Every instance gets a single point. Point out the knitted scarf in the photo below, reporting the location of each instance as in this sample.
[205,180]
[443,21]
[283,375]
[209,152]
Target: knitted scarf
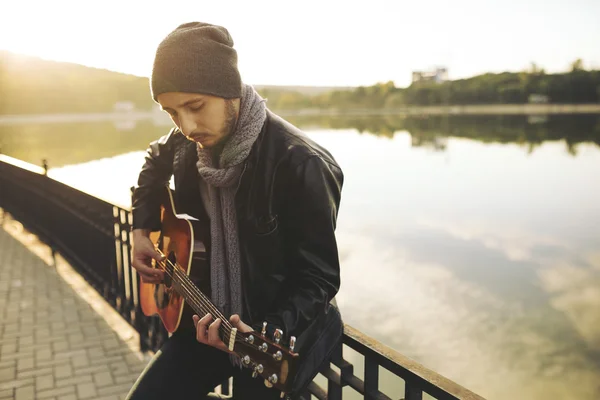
[221,182]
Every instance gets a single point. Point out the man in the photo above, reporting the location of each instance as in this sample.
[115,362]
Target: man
[268,196]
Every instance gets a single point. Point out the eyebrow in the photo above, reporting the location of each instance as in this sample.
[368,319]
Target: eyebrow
[186,103]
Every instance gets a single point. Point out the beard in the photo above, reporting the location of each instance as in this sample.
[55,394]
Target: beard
[230,122]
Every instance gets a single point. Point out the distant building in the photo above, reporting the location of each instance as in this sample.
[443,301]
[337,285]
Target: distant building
[437,75]
[124,106]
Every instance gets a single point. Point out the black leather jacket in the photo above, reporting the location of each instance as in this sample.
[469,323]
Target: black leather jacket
[287,206]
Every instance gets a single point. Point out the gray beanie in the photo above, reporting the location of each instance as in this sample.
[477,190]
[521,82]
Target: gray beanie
[196,58]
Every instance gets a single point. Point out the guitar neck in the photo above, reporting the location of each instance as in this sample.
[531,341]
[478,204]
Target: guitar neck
[198,301]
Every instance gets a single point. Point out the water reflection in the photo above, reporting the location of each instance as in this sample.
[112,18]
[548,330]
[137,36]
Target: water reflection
[433,131]
[502,344]
[469,241]
[72,143]
[477,256]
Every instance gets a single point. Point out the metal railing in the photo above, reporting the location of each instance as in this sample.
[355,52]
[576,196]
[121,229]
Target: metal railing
[94,237]
[90,233]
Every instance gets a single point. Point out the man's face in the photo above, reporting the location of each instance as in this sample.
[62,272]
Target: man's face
[202,118]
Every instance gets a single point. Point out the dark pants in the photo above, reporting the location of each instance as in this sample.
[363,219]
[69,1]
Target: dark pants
[186,369]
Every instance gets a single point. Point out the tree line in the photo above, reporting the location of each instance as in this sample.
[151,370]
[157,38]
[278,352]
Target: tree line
[578,86]
[29,85]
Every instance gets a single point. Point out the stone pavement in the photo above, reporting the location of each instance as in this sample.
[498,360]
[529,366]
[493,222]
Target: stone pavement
[58,338]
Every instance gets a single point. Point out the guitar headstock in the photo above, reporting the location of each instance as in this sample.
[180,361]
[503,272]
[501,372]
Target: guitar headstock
[267,358]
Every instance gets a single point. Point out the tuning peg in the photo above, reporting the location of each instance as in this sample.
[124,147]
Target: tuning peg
[277,335]
[263,347]
[257,370]
[292,343]
[278,356]
[246,360]
[250,339]
[264,329]
[273,379]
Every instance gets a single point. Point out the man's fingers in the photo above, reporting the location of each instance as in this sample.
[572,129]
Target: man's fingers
[213,333]
[148,274]
[241,326]
[205,321]
[200,332]
[150,279]
[142,267]
[157,256]
[201,327]
[150,252]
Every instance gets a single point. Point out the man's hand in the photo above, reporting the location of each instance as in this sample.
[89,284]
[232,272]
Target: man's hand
[143,253]
[208,333]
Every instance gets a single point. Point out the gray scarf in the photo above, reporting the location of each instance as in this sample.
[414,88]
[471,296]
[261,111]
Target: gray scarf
[221,185]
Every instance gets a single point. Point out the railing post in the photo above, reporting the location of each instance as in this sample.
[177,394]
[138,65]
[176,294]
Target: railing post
[225,387]
[142,326]
[412,392]
[334,390]
[371,377]
[305,395]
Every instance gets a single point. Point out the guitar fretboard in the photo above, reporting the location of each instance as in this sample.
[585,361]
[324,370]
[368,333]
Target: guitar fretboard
[201,304]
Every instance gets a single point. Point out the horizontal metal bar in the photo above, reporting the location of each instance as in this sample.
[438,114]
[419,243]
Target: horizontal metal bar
[331,375]
[345,367]
[317,391]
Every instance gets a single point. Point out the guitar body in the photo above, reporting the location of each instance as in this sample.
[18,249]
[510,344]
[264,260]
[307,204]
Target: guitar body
[178,242]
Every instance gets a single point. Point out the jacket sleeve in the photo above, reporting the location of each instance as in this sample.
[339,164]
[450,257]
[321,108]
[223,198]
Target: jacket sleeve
[308,223]
[156,172]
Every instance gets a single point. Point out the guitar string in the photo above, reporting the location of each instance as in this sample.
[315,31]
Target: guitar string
[194,299]
[197,295]
[193,291]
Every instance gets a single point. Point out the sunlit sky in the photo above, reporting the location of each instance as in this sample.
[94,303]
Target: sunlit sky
[320,43]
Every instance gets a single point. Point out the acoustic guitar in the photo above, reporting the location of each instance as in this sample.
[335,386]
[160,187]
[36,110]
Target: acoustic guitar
[179,241]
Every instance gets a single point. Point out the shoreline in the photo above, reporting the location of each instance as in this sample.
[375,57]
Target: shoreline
[160,118]
[480,109]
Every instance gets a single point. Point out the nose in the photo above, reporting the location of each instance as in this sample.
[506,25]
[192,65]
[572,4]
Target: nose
[187,125]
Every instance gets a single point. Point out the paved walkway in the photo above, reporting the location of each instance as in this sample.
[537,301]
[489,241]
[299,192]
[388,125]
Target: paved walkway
[54,343]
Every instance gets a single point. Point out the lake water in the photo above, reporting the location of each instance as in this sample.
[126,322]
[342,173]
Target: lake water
[470,244]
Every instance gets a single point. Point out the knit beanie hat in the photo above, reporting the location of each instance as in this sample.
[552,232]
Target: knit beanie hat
[196,58]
